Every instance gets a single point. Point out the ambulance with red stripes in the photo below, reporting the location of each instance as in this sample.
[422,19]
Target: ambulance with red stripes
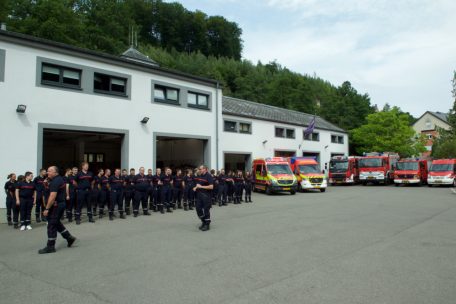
[273,174]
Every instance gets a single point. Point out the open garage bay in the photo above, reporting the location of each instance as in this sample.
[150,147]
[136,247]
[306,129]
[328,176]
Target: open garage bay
[348,245]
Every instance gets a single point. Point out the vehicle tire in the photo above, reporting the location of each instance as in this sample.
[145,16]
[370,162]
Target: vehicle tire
[292,192]
[268,190]
[429,185]
[397,185]
[364,184]
[322,190]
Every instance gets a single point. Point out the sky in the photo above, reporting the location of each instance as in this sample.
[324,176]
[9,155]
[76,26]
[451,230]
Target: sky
[400,52]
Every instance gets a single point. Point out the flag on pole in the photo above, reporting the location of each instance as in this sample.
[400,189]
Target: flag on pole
[310,127]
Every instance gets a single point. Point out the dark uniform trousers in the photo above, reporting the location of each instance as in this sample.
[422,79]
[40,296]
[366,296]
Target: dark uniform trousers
[238,188]
[166,196]
[140,197]
[203,206]
[10,206]
[54,224]
[116,199]
[177,197]
[230,192]
[150,196]
[157,197]
[71,204]
[128,196]
[83,197]
[95,197]
[26,205]
[39,204]
[221,193]
[189,197]
[248,192]
[103,201]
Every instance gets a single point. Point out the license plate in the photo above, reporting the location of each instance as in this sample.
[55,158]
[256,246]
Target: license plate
[438,181]
[286,189]
[371,177]
[405,182]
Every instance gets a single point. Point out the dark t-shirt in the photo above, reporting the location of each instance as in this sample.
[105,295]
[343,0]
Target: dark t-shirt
[58,185]
[116,183]
[26,190]
[166,180]
[141,182]
[84,180]
[10,188]
[204,180]
[39,183]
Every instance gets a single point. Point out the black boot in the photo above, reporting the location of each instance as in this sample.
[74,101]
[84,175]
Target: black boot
[78,221]
[146,212]
[135,214]
[91,220]
[190,207]
[10,223]
[168,209]
[70,240]
[16,226]
[250,199]
[185,207]
[174,207]
[38,218]
[162,210]
[122,216]
[111,218]
[205,227]
[154,208]
[127,211]
[46,249]
[179,206]
[201,226]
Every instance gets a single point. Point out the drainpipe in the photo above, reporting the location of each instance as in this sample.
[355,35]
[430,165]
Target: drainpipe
[217,127]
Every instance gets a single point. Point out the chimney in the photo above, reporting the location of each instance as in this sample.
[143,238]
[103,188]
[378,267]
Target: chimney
[3,26]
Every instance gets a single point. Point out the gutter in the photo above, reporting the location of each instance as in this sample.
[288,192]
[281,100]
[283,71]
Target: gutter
[217,126]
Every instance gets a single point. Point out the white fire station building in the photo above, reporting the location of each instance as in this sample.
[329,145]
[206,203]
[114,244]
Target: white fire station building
[62,105]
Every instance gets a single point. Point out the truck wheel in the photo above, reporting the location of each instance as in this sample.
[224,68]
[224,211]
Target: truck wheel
[292,192]
[268,190]
[397,185]
[322,190]
[364,184]
[429,185]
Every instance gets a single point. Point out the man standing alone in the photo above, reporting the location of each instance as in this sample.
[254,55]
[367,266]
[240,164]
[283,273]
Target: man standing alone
[204,186]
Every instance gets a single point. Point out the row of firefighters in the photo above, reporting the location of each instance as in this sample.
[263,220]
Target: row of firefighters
[159,192]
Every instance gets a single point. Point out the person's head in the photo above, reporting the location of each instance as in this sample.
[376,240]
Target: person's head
[179,172]
[100,172]
[189,172]
[107,172]
[124,172]
[247,173]
[67,172]
[75,170]
[222,172]
[20,178]
[158,171]
[149,171]
[52,172]
[132,171]
[117,172]
[168,171]
[12,176]
[28,176]
[85,166]
[42,172]
[141,170]
[202,169]
[239,173]
[212,171]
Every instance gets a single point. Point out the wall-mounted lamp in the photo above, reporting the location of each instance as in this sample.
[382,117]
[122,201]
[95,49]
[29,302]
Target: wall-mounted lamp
[145,120]
[265,141]
[21,109]
[326,147]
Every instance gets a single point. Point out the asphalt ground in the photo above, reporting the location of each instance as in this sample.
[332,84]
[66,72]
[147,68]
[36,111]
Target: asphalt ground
[355,244]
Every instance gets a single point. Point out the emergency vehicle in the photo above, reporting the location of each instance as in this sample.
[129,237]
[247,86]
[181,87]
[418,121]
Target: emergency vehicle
[442,172]
[411,171]
[343,170]
[377,167]
[308,173]
[273,175]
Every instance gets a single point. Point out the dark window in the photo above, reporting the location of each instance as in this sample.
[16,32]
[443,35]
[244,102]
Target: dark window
[290,133]
[312,137]
[244,127]
[60,76]
[279,132]
[335,139]
[166,94]
[197,100]
[109,84]
[230,126]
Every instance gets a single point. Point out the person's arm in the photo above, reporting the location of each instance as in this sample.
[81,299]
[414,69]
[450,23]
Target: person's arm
[50,202]
[34,198]
[67,191]
[17,197]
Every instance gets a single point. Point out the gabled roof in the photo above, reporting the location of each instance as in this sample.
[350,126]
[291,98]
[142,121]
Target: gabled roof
[135,55]
[439,115]
[250,109]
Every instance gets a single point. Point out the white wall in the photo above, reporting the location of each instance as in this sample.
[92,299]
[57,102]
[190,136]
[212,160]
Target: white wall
[429,122]
[19,133]
[265,130]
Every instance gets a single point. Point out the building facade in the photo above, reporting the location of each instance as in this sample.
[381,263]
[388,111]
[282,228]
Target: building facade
[64,105]
[429,124]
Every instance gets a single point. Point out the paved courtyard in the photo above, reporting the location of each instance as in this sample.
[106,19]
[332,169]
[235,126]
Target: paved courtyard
[348,245]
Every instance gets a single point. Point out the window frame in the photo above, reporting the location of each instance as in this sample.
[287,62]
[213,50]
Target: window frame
[245,123]
[110,91]
[225,121]
[198,105]
[165,93]
[60,83]
[339,139]
[293,134]
[283,132]
[311,136]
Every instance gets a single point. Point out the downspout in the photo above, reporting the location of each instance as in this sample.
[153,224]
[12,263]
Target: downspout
[217,127]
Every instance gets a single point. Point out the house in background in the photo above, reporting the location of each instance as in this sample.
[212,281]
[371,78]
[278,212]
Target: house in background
[428,124]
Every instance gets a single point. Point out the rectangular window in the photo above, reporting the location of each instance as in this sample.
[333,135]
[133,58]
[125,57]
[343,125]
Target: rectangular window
[279,132]
[244,127]
[166,94]
[197,100]
[312,137]
[108,84]
[336,139]
[290,133]
[60,76]
[230,126]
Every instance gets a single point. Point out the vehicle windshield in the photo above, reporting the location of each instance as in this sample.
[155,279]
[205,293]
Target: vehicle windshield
[338,166]
[407,166]
[441,167]
[306,169]
[279,169]
[370,162]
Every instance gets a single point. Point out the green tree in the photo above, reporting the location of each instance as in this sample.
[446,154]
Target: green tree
[388,131]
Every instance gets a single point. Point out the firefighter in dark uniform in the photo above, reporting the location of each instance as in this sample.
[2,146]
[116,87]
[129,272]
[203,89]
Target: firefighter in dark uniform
[157,186]
[178,189]
[166,191]
[39,185]
[204,184]
[10,191]
[96,194]
[141,186]
[104,193]
[248,187]
[46,194]
[189,194]
[116,183]
[84,182]
[215,190]
[26,198]
[222,188]
[54,210]
[238,187]
[71,192]
[230,186]
[129,192]
[150,190]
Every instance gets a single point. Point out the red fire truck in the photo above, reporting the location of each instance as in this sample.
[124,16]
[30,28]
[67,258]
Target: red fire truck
[442,172]
[343,170]
[411,171]
[377,167]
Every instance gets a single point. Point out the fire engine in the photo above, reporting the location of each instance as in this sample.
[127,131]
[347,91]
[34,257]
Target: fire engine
[411,171]
[343,170]
[377,167]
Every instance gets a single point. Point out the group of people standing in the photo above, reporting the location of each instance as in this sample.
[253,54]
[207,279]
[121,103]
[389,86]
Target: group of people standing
[126,192]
